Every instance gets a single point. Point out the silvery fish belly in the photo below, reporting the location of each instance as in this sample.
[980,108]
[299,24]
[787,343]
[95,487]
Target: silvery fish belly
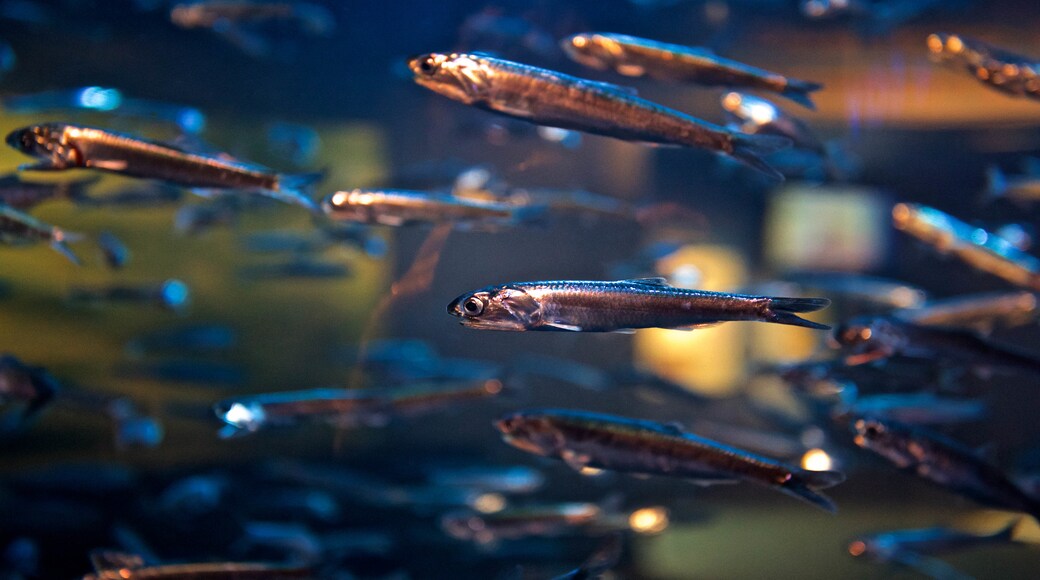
[623,305]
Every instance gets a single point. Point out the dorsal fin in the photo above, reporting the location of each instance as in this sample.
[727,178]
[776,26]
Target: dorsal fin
[612,88]
[655,281]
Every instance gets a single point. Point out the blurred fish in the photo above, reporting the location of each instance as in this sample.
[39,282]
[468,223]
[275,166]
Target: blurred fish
[296,268]
[593,306]
[287,241]
[1019,235]
[24,195]
[344,407]
[548,520]
[402,208]
[30,386]
[978,248]
[116,253]
[171,294]
[191,371]
[868,339]
[131,428]
[914,409]
[292,505]
[149,194]
[489,29]
[200,217]
[583,439]
[1017,188]
[636,57]
[104,100]
[288,543]
[599,562]
[509,479]
[109,564]
[189,339]
[60,147]
[311,18]
[553,99]
[942,461]
[589,206]
[886,546]
[297,143]
[978,312]
[860,288]
[995,67]
[576,373]
[880,16]
[17,228]
[759,116]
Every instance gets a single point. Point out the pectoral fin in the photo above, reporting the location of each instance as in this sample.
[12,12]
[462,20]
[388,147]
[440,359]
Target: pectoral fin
[562,326]
[109,164]
[41,165]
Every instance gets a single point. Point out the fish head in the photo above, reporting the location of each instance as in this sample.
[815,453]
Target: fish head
[750,109]
[866,340]
[247,415]
[596,51]
[531,432]
[462,77]
[48,142]
[497,308]
[354,206]
[885,439]
[873,547]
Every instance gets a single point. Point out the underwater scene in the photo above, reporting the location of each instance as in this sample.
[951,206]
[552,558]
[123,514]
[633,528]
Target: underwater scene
[629,289]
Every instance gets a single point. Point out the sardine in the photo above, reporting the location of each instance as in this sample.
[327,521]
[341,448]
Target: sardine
[61,147]
[884,546]
[312,18]
[509,479]
[593,306]
[942,461]
[194,338]
[995,67]
[401,208]
[980,249]
[30,386]
[296,268]
[170,294]
[978,312]
[17,228]
[545,97]
[24,195]
[583,439]
[517,523]
[915,409]
[108,564]
[636,57]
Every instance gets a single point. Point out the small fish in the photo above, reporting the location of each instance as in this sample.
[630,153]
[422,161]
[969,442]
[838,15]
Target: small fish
[759,116]
[192,339]
[18,228]
[402,208]
[108,564]
[599,562]
[884,546]
[915,409]
[171,294]
[868,339]
[345,407]
[979,312]
[942,461]
[545,521]
[1017,188]
[995,67]
[61,147]
[25,195]
[149,194]
[7,57]
[314,19]
[511,479]
[583,439]
[27,385]
[554,99]
[978,248]
[114,251]
[131,428]
[860,288]
[190,371]
[297,143]
[593,306]
[297,268]
[201,217]
[636,57]
[104,100]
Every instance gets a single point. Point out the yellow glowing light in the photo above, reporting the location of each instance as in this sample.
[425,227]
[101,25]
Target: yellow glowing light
[590,471]
[579,41]
[731,102]
[340,197]
[651,520]
[954,44]
[935,44]
[490,503]
[817,460]
[857,548]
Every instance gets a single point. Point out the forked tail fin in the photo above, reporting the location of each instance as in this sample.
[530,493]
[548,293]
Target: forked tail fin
[805,485]
[296,188]
[798,91]
[749,150]
[782,311]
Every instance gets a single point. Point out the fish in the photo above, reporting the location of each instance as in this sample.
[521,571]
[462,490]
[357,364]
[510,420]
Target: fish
[553,99]
[914,408]
[585,439]
[131,428]
[859,288]
[193,338]
[171,294]
[18,228]
[606,556]
[868,339]
[114,251]
[992,66]
[111,564]
[942,461]
[296,268]
[105,100]
[1017,188]
[536,520]
[884,546]
[148,194]
[619,306]
[314,19]
[978,248]
[31,386]
[979,312]
[198,218]
[636,57]
[60,147]
[402,208]
[345,407]
[759,116]
[510,479]
[24,195]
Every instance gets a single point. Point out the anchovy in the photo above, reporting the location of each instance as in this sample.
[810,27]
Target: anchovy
[979,312]
[546,97]
[61,147]
[636,57]
[24,195]
[400,208]
[22,383]
[995,67]
[510,479]
[884,546]
[860,288]
[345,407]
[942,461]
[17,228]
[583,439]
[978,248]
[531,521]
[297,267]
[108,564]
[312,18]
[170,294]
[592,306]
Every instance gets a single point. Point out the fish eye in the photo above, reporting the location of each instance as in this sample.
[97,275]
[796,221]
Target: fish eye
[428,66]
[473,306]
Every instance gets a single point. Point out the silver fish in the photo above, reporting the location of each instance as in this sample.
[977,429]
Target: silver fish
[995,67]
[979,312]
[400,208]
[594,306]
[25,195]
[636,57]
[885,546]
[60,147]
[109,564]
[17,228]
[546,97]
[583,439]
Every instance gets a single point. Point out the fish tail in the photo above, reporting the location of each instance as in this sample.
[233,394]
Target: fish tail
[295,188]
[782,311]
[805,485]
[749,150]
[996,182]
[798,91]
[60,242]
[76,191]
